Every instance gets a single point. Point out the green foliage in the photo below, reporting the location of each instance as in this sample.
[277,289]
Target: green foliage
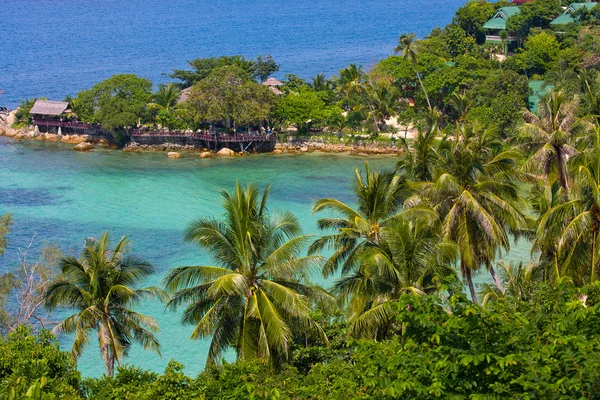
[540,53]
[22,116]
[304,109]
[534,14]
[115,103]
[101,288]
[472,16]
[229,96]
[5,224]
[32,366]
[260,69]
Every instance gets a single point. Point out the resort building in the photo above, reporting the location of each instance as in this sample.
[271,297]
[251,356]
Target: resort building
[495,26]
[567,18]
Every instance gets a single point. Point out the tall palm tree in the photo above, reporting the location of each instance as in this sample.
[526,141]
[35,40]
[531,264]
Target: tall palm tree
[408,47]
[461,103]
[579,222]
[100,286]
[384,102]
[257,294]
[379,196]
[351,82]
[411,257]
[550,135]
[476,195]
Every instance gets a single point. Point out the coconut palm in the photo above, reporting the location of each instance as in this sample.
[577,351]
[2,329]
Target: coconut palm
[384,103]
[379,196]
[408,47]
[460,103]
[100,286]
[550,135]
[520,282]
[350,83]
[411,257]
[320,83]
[165,103]
[257,293]
[578,220]
[420,156]
[476,195]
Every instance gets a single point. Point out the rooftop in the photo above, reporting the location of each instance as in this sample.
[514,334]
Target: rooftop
[499,20]
[272,82]
[566,17]
[48,107]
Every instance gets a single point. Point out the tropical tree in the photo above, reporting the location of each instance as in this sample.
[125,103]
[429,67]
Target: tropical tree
[100,286]
[379,196]
[320,83]
[164,102]
[475,193]
[351,84]
[258,293]
[578,220]
[550,135]
[408,47]
[411,257]
[418,162]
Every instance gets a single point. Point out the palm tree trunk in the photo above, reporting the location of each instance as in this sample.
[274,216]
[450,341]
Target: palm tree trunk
[423,87]
[593,271]
[470,283]
[563,176]
[496,278]
[109,360]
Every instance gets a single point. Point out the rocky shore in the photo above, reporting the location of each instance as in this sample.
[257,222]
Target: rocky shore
[86,143]
[310,146]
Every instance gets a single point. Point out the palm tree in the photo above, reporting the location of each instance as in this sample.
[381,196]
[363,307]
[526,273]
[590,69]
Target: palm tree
[410,258]
[550,135]
[100,286]
[320,83]
[420,156]
[579,222]
[461,103]
[408,47]
[166,99]
[520,282]
[351,83]
[384,101]
[256,295]
[476,195]
[379,197]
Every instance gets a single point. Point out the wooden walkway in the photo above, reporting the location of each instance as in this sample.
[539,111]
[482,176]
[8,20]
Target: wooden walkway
[212,140]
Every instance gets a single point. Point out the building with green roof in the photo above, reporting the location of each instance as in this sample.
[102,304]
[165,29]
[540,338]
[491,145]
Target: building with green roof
[498,24]
[567,18]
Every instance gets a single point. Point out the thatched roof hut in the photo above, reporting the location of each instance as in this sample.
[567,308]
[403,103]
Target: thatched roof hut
[48,107]
[272,82]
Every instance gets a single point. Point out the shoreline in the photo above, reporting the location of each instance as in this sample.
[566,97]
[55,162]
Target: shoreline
[173,150]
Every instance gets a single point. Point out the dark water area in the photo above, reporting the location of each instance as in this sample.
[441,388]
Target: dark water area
[55,48]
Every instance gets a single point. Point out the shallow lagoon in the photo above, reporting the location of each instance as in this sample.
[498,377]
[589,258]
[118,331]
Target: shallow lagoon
[63,196]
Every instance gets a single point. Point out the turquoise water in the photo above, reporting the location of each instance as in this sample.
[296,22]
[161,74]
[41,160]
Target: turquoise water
[64,196]
[54,48]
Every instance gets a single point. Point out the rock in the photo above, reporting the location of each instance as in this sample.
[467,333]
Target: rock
[304,149]
[85,146]
[73,139]
[205,154]
[174,154]
[51,137]
[226,152]
[277,151]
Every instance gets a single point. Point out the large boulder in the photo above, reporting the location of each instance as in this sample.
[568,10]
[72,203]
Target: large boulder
[174,154]
[226,152]
[277,151]
[304,149]
[206,154]
[85,146]
[74,139]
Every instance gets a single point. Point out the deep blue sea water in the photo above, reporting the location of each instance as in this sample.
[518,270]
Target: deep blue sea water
[54,48]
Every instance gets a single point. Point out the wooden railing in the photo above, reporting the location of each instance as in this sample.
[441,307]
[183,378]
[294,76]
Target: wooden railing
[205,136]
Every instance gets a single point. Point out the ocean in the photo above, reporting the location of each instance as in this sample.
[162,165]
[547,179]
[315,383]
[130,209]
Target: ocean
[55,48]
